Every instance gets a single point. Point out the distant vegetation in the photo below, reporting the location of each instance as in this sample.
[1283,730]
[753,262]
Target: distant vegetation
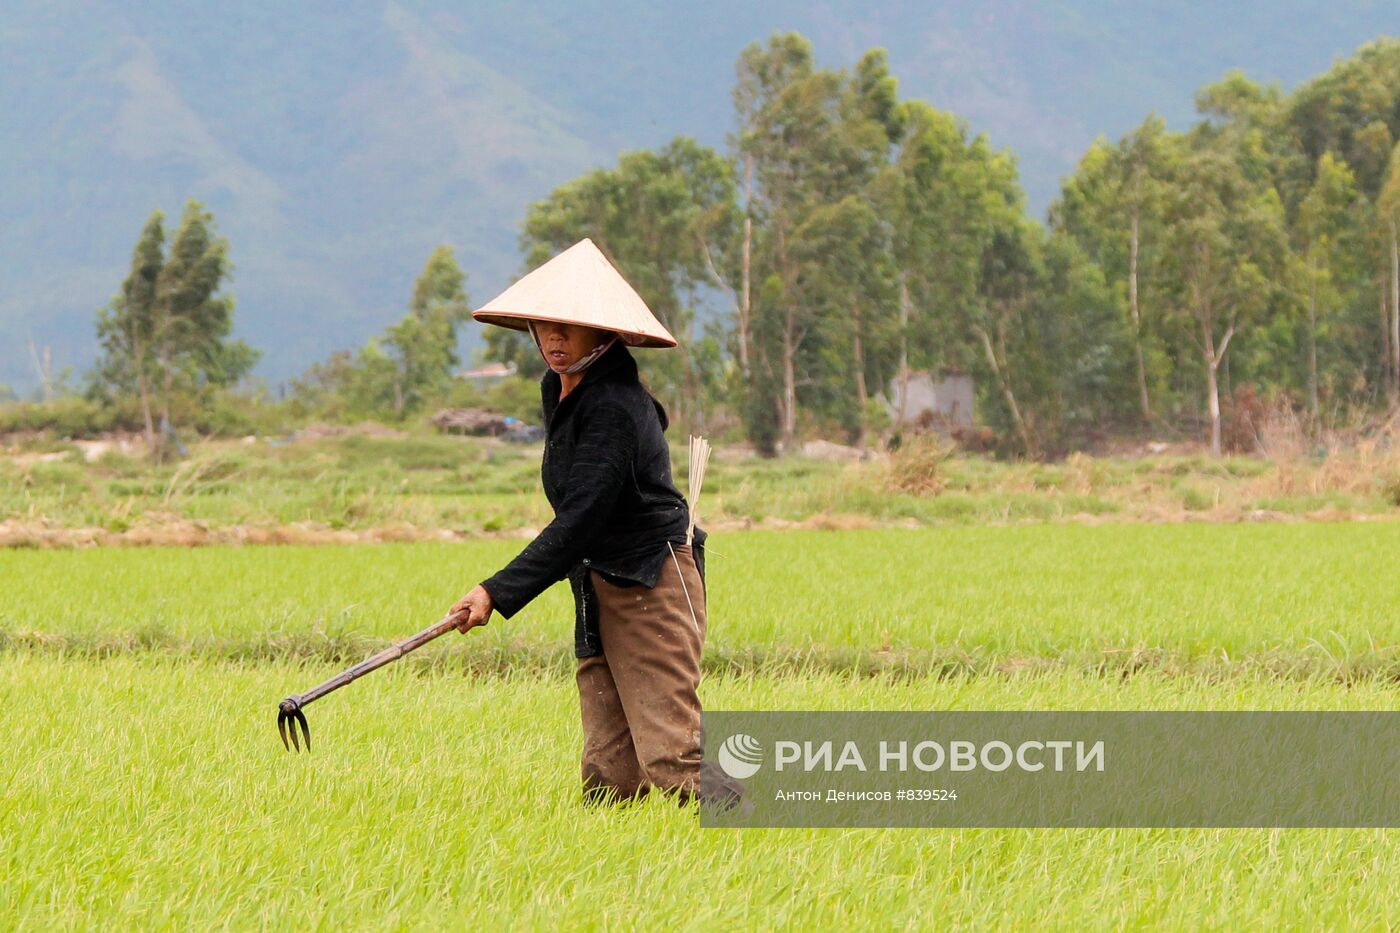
[368,483]
[1186,285]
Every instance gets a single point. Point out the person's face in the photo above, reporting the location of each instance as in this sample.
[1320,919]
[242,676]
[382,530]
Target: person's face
[565,344]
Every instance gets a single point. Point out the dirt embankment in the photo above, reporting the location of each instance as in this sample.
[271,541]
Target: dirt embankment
[180,532]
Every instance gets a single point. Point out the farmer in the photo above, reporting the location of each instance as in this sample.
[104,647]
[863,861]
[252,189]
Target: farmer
[618,534]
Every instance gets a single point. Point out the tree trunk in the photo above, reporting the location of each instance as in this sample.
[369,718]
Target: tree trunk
[143,387]
[1212,361]
[1395,314]
[43,366]
[1227,387]
[861,395]
[745,273]
[778,407]
[1003,377]
[904,307]
[143,384]
[1312,349]
[1387,377]
[1143,400]
[789,403]
[789,424]
[167,380]
[1213,404]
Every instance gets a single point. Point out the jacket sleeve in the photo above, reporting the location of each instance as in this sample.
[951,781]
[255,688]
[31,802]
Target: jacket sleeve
[602,462]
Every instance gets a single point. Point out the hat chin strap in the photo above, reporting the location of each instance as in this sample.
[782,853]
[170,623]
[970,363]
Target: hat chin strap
[584,361]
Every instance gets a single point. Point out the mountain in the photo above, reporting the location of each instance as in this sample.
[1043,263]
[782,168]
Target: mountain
[338,142]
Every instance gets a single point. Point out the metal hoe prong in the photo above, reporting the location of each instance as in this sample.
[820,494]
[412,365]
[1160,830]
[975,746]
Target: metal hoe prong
[289,711]
[288,715]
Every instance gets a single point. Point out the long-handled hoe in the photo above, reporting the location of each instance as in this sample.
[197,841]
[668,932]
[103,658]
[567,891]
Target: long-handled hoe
[289,711]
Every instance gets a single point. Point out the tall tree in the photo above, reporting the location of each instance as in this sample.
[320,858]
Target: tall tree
[1325,230]
[395,374]
[1353,111]
[424,344]
[935,194]
[192,320]
[1224,248]
[812,138]
[126,328]
[1010,276]
[765,76]
[848,276]
[1074,357]
[792,126]
[1112,205]
[1388,214]
[846,263]
[167,332]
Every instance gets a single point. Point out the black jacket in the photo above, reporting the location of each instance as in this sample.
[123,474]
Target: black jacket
[607,473]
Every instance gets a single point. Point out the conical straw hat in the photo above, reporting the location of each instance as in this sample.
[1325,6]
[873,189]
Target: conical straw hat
[579,286]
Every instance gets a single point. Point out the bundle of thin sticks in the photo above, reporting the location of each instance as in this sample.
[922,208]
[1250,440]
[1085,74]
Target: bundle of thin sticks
[699,456]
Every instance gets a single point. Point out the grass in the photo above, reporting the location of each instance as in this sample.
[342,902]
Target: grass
[153,793]
[350,481]
[144,786]
[351,486]
[1320,591]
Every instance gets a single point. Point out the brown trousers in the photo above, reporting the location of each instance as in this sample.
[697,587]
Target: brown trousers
[641,713]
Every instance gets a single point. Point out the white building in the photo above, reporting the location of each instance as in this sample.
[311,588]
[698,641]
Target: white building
[943,404]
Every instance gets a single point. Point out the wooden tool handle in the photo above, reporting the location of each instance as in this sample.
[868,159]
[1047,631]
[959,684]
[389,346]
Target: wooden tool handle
[392,653]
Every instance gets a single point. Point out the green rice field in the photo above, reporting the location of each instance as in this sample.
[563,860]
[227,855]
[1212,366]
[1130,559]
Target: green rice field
[144,786]
[1320,591]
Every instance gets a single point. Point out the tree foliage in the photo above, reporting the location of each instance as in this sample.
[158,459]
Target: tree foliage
[165,336]
[850,238]
[401,373]
[667,220]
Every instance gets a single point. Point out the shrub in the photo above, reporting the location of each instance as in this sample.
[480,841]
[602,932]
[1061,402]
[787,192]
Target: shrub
[1194,499]
[234,414]
[65,417]
[918,466]
[1390,487]
[516,396]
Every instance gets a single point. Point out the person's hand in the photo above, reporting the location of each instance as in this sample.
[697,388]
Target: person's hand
[476,609]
